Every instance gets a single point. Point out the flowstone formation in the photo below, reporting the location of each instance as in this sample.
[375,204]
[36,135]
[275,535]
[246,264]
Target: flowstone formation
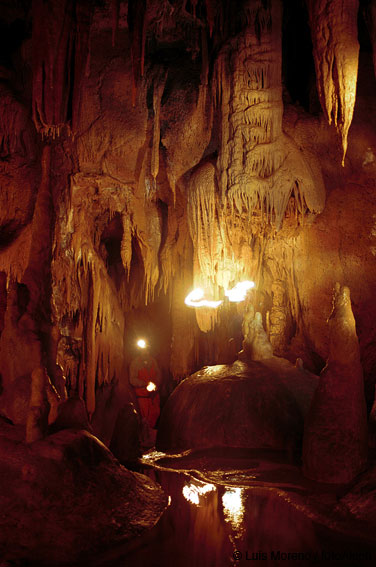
[259,169]
[335,435]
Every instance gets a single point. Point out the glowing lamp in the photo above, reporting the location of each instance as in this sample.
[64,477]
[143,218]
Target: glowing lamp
[196,299]
[238,293]
[151,387]
[141,343]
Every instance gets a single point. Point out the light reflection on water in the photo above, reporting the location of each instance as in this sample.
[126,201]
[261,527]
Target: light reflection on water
[233,508]
[206,524]
[193,491]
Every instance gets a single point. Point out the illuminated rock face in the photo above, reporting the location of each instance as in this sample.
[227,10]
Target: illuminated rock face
[336,49]
[175,178]
[259,168]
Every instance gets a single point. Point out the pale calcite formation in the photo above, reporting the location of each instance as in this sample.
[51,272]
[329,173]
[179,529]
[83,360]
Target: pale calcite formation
[256,345]
[259,168]
[197,176]
[277,324]
[334,33]
[85,292]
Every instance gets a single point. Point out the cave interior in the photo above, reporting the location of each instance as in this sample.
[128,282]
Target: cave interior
[150,148]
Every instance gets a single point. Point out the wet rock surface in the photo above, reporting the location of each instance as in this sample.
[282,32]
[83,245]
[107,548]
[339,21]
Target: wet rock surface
[237,505]
[258,404]
[65,498]
[347,508]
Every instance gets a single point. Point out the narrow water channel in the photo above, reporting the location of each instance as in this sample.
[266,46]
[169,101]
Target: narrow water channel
[219,524]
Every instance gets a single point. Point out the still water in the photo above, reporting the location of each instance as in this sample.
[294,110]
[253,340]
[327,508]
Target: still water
[211,524]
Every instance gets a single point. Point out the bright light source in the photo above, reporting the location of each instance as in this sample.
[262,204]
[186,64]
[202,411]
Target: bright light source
[238,293]
[141,343]
[151,387]
[233,507]
[192,492]
[195,299]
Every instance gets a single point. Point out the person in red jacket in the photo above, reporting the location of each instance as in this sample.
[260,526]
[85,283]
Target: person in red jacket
[145,377]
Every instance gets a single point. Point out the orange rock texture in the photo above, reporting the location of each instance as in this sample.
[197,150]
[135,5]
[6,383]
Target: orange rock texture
[147,147]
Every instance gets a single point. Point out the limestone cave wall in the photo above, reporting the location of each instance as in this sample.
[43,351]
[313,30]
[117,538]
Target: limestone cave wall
[147,147]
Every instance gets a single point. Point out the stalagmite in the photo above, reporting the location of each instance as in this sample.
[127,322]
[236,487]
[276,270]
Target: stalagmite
[334,33]
[256,345]
[277,331]
[335,434]
[44,401]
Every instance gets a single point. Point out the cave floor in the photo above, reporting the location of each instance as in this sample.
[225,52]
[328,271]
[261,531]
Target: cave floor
[227,506]
[231,506]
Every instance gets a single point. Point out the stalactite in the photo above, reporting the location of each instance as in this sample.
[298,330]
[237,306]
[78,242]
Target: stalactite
[201,209]
[60,36]
[158,88]
[205,58]
[52,54]
[85,294]
[334,33]
[221,242]
[260,170]
[115,20]
[137,32]
[148,232]
[16,132]
[126,243]
[211,6]
[83,16]
[84,291]
[36,275]
[259,167]
[14,260]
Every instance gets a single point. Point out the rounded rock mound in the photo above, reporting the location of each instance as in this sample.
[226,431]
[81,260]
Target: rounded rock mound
[254,404]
